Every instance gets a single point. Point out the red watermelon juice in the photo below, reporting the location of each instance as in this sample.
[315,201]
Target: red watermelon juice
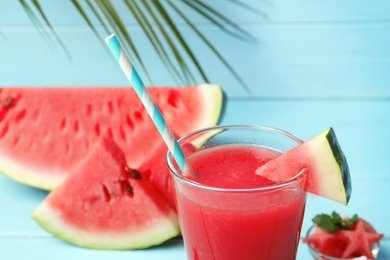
[227,211]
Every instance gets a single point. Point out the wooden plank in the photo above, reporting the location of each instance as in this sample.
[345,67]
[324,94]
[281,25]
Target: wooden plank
[361,125]
[306,49]
[281,11]
[320,61]
[45,247]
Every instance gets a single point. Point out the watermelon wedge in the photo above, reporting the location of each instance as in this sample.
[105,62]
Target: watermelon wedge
[46,132]
[327,171]
[104,204]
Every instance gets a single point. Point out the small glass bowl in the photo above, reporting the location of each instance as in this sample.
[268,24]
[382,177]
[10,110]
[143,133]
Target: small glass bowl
[319,256]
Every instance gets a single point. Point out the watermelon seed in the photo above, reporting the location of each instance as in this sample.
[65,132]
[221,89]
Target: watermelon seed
[110,107]
[8,102]
[130,190]
[129,122]
[106,194]
[109,132]
[173,98]
[89,109]
[138,116]
[63,124]
[76,126]
[134,173]
[125,186]
[20,115]
[97,129]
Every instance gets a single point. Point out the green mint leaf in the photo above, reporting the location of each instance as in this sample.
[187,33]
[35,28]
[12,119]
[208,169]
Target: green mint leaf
[352,221]
[325,222]
[334,222]
[336,217]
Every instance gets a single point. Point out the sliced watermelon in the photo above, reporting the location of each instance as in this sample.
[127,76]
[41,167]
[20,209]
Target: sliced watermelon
[325,242]
[156,172]
[360,240]
[104,204]
[327,171]
[45,132]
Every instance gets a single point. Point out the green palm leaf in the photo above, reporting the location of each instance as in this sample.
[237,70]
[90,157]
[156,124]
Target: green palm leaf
[219,20]
[147,27]
[119,28]
[36,22]
[179,58]
[179,38]
[213,49]
[158,26]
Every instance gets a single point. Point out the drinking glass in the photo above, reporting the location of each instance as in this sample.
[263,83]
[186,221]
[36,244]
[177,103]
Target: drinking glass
[238,223]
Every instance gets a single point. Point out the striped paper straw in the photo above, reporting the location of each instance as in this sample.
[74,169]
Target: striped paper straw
[147,100]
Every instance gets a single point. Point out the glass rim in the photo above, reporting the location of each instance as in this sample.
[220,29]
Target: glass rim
[177,173]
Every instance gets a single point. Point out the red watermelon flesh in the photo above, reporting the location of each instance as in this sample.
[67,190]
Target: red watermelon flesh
[346,243]
[319,238]
[154,171]
[104,204]
[45,132]
[160,176]
[322,162]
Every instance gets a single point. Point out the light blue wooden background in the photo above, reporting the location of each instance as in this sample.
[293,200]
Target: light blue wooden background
[317,64]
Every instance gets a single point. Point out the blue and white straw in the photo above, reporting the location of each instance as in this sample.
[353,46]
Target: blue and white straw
[147,100]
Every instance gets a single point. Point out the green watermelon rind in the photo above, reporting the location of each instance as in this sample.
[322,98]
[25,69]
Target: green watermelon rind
[157,233]
[341,160]
[213,101]
[325,167]
[32,176]
[330,167]
[24,175]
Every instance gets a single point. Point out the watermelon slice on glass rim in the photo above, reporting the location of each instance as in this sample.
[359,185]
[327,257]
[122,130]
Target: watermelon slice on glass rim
[46,132]
[326,168]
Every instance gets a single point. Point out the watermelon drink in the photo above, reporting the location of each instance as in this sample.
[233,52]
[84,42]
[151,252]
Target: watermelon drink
[225,210]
